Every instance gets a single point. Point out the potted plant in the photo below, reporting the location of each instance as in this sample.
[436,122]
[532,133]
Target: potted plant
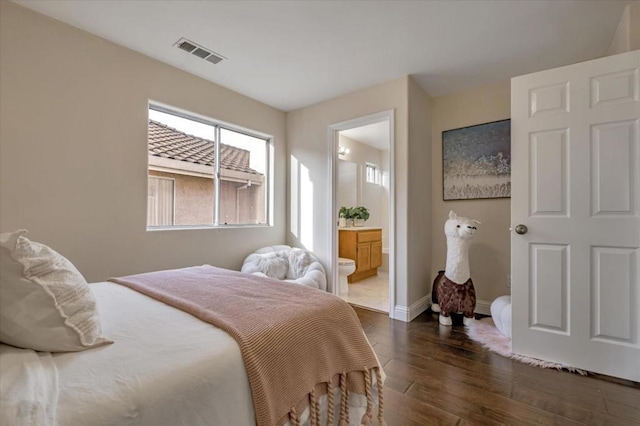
[359,215]
[343,216]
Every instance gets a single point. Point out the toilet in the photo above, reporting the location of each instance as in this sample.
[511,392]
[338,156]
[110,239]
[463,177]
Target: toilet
[346,267]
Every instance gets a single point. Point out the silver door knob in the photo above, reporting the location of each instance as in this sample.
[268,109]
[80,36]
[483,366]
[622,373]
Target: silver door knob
[521,229]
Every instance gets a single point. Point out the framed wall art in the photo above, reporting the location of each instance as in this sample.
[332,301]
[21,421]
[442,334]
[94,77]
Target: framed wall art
[476,161]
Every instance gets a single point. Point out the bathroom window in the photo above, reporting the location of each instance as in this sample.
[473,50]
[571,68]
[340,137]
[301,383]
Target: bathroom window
[372,175]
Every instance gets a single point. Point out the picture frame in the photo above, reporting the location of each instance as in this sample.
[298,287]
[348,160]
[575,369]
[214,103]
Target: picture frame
[476,161]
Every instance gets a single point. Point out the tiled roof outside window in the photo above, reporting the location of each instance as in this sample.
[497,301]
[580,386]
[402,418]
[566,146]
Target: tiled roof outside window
[167,142]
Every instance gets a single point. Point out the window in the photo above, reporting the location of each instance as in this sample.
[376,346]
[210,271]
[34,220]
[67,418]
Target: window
[372,175]
[160,207]
[195,181]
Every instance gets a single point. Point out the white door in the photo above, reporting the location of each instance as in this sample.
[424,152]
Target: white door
[576,187]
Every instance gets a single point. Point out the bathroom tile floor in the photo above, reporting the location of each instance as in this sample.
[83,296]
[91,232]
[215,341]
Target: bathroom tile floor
[370,293]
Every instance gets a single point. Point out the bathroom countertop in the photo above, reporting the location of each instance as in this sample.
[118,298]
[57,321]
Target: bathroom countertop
[361,228]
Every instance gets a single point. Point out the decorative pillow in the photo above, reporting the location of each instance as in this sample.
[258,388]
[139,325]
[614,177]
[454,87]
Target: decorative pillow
[273,266]
[270,264]
[45,303]
[299,261]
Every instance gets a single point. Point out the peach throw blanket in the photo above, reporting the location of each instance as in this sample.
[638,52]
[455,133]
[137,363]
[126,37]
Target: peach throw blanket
[297,343]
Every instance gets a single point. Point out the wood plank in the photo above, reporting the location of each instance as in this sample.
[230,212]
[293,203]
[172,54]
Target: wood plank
[551,401]
[579,407]
[561,421]
[437,375]
[448,376]
[468,403]
[401,407]
[625,411]
[397,383]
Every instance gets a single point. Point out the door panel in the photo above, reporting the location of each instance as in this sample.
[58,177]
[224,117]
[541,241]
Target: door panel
[614,319]
[550,99]
[549,166]
[363,262]
[549,285]
[376,254]
[576,185]
[613,167]
[616,87]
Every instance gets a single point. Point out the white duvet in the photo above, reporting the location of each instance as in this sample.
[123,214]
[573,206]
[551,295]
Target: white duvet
[28,387]
[165,367]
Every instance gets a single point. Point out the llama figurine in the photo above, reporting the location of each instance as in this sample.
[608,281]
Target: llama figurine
[453,290]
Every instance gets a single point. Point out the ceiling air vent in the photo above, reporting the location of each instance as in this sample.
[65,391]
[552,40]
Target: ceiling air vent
[199,51]
[185,45]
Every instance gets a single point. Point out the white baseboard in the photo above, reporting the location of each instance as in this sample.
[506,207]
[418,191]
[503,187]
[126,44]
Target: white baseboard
[400,313]
[483,307]
[407,314]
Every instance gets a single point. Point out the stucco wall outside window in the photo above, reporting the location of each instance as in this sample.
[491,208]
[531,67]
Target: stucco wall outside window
[194,201]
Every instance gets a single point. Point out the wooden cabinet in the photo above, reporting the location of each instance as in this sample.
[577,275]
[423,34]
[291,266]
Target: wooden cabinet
[376,254]
[363,257]
[365,247]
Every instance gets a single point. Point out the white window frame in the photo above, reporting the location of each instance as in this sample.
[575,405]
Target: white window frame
[375,171]
[218,124]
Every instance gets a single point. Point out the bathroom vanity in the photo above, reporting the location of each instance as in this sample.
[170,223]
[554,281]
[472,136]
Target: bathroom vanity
[364,245]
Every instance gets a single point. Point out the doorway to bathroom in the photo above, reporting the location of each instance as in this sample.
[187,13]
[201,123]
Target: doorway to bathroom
[363,205]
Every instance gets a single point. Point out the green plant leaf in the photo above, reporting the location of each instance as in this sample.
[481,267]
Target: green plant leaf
[359,212]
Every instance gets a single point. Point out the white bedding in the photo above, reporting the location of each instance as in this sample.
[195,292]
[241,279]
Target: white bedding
[28,388]
[165,367]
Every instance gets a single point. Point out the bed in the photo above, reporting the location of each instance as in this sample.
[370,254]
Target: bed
[164,366]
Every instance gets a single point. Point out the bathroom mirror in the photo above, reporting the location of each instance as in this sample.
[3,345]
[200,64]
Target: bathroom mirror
[347,184]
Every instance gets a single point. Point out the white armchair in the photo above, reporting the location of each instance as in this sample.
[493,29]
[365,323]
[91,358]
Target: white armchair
[286,263]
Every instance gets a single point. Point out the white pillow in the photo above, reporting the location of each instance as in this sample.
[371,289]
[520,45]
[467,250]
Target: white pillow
[273,266]
[45,303]
[299,261]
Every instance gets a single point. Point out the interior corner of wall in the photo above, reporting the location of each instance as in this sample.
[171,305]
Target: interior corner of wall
[634,24]
[627,27]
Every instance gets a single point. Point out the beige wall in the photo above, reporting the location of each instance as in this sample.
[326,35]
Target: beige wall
[419,207]
[634,25]
[73,149]
[309,191]
[627,36]
[490,252]
[309,222]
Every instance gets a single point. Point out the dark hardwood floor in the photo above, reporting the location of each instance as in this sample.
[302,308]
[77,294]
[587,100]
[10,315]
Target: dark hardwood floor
[437,376]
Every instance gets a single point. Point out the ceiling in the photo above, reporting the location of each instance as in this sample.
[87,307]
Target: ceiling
[290,54]
[375,135]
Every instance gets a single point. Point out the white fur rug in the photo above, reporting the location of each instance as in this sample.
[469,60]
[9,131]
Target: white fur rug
[485,332]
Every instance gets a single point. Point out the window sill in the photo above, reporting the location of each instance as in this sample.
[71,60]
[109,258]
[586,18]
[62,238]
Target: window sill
[205,227]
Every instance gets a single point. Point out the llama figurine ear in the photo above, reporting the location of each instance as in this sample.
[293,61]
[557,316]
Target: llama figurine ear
[477,221]
[452,215]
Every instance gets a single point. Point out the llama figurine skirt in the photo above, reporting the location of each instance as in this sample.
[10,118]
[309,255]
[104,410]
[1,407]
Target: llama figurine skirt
[452,297]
